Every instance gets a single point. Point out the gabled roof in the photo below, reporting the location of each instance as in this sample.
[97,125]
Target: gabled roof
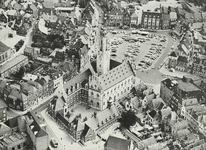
[2,85]
[166,112]
[182,59]
[116,11]
[190,102]
[116,75]
[3,47]
[135,14]
[152,113]
[181,125]
[2,105]
[36,126]
[101,117]
[77,79]
[116,143]
[147,142]
[84,50]
[173,54]
[62,119]
[87,130]
[12,122]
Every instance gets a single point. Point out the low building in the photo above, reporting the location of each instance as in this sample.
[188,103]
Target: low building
[36,130]
[116,143]
[10,67]
[5,52]
[144,144]
[179,125]
[16,141]
[4,130]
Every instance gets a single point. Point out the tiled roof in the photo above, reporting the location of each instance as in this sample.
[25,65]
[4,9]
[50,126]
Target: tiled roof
[3,47]
[116,12]
[77,79]
[84,50]
[182,59]
[48,4]
[101,117]
[67,66]
[150,97]
[187,86]
[59,104]
[2,85]
[12,122]
[63,120]
[135,14]
[182,133]
[4,128]
[152,113]
[166,112]
[86,130]
[116,143]
[41,81]
[116,75]
[2,105]
[181,125]
[15,94]
[147,142]
[36,126]
[173,54]
[190,102]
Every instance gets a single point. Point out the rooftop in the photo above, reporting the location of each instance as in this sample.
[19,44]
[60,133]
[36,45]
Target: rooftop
[77,79]
[3,47]
[147,142]
[115,76]
[185,86]
[101,117]
[117,143]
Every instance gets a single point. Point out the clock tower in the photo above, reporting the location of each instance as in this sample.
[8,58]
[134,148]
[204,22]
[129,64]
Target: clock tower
[103,56]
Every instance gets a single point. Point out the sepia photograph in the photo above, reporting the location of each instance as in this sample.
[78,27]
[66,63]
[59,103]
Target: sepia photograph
[102,74]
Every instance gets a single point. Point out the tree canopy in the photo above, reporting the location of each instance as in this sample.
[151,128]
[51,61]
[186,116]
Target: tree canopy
[128,119]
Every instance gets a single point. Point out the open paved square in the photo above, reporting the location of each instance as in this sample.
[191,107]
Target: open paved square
[142,50]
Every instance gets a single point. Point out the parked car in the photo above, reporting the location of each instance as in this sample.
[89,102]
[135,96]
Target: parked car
[54,142]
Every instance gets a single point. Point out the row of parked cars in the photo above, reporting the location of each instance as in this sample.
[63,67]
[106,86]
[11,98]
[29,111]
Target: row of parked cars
[151,55]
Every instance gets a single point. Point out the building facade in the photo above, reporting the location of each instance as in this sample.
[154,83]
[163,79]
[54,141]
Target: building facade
[36,130]
[151,20]
[10,67]
[3,112]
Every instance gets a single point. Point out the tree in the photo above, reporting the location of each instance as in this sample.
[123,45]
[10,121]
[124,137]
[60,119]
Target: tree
[128,119]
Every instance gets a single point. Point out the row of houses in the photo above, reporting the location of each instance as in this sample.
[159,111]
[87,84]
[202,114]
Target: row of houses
[24,132]
[186,98]
[157,19]
[29,91]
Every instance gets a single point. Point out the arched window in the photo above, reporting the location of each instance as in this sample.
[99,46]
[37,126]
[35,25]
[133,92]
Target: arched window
[97,95]
[97,104]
